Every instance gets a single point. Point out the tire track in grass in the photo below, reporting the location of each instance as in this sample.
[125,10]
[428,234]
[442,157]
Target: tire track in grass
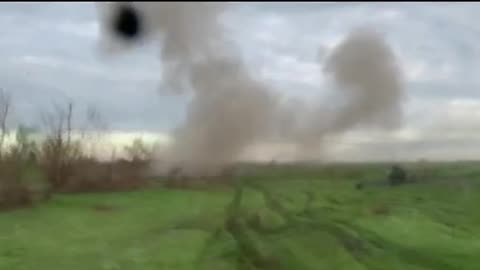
[348,234]
[253,250]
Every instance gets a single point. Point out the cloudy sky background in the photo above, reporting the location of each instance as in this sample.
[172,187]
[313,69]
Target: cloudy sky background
[50,54]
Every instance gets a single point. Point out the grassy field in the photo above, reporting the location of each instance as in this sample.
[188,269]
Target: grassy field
[275,218]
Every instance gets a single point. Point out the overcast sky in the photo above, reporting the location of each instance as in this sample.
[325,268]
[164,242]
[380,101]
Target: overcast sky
[50,53]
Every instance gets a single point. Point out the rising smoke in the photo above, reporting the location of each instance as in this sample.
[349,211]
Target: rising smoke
[232,110]
[369,86]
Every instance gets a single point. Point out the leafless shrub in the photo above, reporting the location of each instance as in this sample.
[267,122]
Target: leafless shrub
[5,108]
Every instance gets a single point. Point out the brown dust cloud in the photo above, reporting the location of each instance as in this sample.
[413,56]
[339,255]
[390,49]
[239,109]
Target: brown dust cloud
[231,109]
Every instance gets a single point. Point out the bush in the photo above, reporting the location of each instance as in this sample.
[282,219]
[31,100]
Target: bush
[359,185]
[94,176]
[397,176]
[58,160]
[13,192]
[17,196]
[176,178]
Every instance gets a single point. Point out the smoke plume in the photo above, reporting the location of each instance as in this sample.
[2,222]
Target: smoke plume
[232,110]
[369,89]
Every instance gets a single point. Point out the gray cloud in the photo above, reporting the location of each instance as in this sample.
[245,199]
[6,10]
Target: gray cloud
[50,51]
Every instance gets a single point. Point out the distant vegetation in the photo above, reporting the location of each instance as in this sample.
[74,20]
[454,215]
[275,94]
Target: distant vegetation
[32,169]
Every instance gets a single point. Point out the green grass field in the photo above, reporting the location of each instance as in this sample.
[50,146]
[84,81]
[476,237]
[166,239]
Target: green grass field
[283,218]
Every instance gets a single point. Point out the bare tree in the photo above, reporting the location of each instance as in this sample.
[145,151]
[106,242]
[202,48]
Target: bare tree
[58,150]
[139,151]
[69,122]
[95,119]
[63,151]
[5,107]
[94,128]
